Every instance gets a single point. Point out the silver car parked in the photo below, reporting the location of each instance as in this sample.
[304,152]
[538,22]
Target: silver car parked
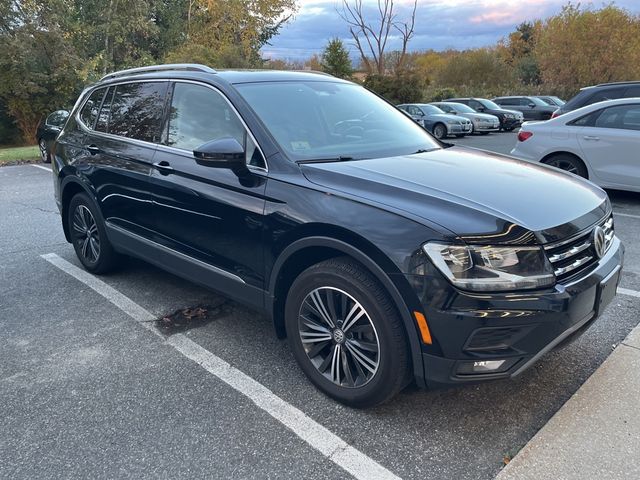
[482,123]
[434,120]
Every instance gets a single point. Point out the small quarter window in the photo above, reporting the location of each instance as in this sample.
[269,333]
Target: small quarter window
[103,117]
[89,112]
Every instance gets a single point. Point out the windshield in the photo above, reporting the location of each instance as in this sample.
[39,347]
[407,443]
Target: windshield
[461,108]
[539,102]
[431,110]
[489,105]
[327,120]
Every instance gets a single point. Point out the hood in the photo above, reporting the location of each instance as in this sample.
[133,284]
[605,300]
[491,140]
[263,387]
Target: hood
[485,116]
[479,196]
[445,117]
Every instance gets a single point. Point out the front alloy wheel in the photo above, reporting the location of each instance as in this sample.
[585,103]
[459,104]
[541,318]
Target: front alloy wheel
[346,333]
[338,337]
[439,131]
[42,145]
[85,234]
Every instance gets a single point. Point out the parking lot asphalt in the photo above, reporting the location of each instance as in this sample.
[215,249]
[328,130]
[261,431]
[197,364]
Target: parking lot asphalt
[87,392]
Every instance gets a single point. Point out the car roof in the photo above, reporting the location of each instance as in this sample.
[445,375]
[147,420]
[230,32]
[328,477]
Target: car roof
[203,72]
[612,84]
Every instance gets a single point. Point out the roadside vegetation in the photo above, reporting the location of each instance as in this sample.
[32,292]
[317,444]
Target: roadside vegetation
[15,155]
[50,49]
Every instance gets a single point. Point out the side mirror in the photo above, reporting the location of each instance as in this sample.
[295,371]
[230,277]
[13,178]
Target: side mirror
[480,109]
[221,153]
[532,105]
[453,112]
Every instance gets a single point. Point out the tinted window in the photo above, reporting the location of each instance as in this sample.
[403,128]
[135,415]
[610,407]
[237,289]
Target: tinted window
[625,117]
[587,120]
[103,116]
[606,94]
[89,112]
[632,91]
[199,115]
[508,101]
[136,110]
[57,118]
[488,104]
[475,104]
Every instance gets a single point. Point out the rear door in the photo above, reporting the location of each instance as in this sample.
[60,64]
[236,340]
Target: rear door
[610,143]
[120,151]
[205,214]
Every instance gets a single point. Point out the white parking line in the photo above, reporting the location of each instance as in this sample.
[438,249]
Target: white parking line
[43,168]
[626,291]
[626,215]
[327,443]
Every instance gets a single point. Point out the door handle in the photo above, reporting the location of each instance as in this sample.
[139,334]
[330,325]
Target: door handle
[164,167]
[591,137]
[93,149]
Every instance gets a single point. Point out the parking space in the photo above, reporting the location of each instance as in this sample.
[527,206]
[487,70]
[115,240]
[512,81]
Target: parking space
[90,392]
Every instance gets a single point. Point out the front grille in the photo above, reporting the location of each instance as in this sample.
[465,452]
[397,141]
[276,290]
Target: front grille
[572,256]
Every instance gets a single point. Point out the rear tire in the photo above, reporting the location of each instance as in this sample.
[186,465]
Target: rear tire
[44,152]
[88,235]
[568,163]
[346,333]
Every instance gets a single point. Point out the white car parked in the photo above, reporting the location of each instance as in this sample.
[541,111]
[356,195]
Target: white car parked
[600,142]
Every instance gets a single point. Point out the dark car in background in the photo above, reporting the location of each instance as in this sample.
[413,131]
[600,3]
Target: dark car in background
[532,108]
[551,100]
[381,253]
[48,131]
[436,121]
[600,93]
[509,119]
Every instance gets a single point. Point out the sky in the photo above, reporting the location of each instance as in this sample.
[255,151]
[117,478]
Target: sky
[440,25]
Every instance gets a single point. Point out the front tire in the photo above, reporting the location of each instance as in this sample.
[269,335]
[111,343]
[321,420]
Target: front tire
[346,334]
[439,131]
[88,235]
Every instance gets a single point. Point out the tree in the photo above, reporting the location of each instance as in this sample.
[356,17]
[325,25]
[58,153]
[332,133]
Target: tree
[371,39]
[335,59]
[581,47]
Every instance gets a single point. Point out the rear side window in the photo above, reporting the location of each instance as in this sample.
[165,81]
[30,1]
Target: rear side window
[89,112]
[199,115]
[136,110]
[625,117]
[606,94]
[103,116]
[632,92]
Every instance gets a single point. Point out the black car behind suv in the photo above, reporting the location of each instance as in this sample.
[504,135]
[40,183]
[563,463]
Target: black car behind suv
[600,93]
[509,119]
[381,253]
[532,108]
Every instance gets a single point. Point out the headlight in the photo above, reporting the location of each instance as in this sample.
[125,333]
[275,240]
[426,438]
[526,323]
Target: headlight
[509,115]
[453,122]
[478,119]
[492,268]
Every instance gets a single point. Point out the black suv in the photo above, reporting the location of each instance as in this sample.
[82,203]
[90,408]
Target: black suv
[382,254]
[532,108]
[509,119]
[600,93]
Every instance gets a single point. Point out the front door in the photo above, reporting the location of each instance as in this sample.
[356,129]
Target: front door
[209,214]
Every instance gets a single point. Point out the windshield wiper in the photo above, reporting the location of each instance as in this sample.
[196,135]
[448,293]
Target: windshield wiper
[425,150]
[327,160]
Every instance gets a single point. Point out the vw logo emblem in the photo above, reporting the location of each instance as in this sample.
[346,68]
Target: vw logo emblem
[599,242]
[338,335]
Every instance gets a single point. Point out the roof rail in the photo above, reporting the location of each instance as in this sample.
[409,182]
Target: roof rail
[628,82]
[190,67]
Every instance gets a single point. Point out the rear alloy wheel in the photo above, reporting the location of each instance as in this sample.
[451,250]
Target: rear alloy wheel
[568,163]
[439,131]
[346,334]
[44,154]
[88,236]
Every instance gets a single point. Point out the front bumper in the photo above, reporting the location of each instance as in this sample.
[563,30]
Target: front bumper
[509,123]
[471,329]
[459,129]
[486,127]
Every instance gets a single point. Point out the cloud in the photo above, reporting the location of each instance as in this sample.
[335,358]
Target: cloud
[439,24]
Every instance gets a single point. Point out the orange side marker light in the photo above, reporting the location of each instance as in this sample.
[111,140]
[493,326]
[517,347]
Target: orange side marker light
[424,328]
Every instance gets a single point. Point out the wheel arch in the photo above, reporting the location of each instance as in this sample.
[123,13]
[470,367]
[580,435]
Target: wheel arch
[570,153]
[308,250]
[71,186]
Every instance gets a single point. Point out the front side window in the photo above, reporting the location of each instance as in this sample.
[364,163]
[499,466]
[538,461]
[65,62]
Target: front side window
[326,120]
[199,115]
[136,110]
[489,105]
[89,111]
